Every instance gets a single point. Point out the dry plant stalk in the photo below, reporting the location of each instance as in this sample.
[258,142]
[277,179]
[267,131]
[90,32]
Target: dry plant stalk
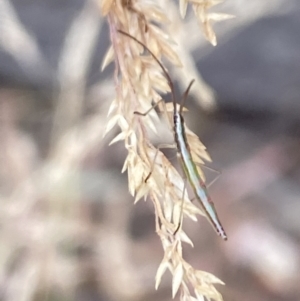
[136,88]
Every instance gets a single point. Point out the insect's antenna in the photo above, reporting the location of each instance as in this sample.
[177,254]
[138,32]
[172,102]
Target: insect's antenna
[184,97]
[158,62]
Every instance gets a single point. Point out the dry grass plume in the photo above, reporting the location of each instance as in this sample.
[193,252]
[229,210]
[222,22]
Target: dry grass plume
[139,82]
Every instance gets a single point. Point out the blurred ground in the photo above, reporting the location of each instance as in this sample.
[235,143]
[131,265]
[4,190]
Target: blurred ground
[68,229]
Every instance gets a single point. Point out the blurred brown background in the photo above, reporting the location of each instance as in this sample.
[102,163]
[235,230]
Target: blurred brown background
[68,226]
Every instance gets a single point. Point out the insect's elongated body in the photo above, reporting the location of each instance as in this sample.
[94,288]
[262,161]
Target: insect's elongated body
[184,152]
[191,171]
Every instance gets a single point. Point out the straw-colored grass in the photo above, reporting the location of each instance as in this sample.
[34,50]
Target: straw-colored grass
[139,83]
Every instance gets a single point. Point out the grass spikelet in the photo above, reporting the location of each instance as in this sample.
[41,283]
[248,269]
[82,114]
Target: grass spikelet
[138,78]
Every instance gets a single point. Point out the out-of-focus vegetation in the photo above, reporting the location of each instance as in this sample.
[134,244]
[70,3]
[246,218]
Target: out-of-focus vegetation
[68,229]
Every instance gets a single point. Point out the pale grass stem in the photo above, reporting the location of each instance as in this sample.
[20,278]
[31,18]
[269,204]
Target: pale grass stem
[137,89]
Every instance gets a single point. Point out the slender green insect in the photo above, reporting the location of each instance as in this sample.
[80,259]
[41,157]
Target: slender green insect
[184,152]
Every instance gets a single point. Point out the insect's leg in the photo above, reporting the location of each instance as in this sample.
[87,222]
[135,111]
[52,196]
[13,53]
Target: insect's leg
[185,94]
[146,113]
[154,106]
[181,207]
[160,146]
[214,170]
[211,169]
[214,180]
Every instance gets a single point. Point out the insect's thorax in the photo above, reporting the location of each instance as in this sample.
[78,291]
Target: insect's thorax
[179,133]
